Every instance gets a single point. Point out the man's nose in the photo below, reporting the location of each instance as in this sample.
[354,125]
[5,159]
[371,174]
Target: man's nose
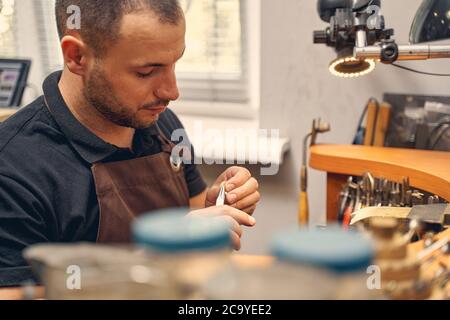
[168,89]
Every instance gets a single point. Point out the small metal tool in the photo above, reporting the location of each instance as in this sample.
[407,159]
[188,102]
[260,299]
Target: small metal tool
[369,188]
[404,187]
[441,245]
[408,198]
[344,198]
[386,192]
[430,200]
[221,197]
[358,202]
[396,194]
[378,192]
[417,198]
[348,212]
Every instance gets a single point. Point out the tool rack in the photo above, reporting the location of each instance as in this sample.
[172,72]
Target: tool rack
[427,170]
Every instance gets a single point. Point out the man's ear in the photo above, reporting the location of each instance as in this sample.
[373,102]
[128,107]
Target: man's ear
[75,54]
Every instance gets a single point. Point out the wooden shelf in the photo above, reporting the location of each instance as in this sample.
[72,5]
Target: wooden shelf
[428,170]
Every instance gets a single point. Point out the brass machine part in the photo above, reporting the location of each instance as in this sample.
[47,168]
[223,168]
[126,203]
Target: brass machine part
[389,244]
[401,279]
[400,268]
[404,269]
[383,228]
[404,289]
[408,290]
[393,249]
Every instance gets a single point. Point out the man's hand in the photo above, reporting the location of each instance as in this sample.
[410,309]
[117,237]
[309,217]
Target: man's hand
[233,216]
[241,187]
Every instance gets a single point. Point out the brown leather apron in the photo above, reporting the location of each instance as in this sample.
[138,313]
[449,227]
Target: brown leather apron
[126,189]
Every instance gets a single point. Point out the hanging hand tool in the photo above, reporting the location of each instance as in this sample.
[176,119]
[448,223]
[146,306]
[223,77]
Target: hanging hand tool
[369,188]
[395,195]
[358,202]
[378,193]
[386,186]
[417,198]
[350,208]
[344,196]
[303,212]
[405,196]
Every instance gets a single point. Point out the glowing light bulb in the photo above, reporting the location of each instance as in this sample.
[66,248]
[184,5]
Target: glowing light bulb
[350,67]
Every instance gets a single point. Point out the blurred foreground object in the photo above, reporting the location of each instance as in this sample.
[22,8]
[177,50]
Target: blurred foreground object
[410,271]
[190,250]
[310,264]
[91,272]
[173,257]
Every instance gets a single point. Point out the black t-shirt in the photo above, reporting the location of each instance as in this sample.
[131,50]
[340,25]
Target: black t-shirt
[47,192]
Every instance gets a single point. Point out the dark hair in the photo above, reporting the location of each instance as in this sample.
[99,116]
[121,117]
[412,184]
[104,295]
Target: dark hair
[100,19]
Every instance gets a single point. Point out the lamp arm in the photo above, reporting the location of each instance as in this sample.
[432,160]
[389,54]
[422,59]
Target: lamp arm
[390,52]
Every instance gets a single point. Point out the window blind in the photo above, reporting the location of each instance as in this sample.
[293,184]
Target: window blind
[48,35]
[7,29]
[214,67]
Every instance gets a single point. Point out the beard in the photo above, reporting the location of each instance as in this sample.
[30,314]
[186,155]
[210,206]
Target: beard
[99,93]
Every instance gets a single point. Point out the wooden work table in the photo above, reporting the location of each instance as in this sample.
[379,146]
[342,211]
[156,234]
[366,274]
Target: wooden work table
[428,170]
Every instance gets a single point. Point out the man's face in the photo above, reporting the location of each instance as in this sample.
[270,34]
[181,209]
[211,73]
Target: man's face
[134,81]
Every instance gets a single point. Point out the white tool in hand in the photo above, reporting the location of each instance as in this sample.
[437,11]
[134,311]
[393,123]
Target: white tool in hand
[222,194]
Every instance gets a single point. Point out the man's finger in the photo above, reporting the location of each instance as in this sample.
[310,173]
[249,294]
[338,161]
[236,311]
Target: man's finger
[250,187]
[250,210]
[212,195]
[237,177]
[235,227]
[240,216]
[249,201]
[235,240]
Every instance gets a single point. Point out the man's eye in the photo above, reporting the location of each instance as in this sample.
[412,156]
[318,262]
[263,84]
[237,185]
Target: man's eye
[144,75]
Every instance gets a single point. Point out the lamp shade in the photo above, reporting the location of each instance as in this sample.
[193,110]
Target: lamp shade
[432,22]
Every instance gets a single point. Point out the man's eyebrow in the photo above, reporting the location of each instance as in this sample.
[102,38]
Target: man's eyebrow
[152,64]
[147,65]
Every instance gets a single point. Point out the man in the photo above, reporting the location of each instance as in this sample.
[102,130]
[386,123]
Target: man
[79,163]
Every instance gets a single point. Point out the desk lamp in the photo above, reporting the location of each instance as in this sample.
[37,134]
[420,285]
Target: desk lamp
[358,34]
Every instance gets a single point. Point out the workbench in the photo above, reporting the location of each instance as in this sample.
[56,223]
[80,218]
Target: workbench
[427,170]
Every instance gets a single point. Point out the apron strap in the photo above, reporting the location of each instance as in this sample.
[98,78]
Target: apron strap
[176,161]
[166,144]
